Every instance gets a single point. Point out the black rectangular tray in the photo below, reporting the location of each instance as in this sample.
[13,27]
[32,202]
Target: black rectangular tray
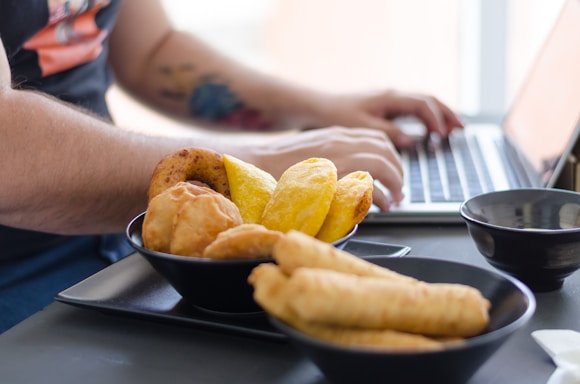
[131,287]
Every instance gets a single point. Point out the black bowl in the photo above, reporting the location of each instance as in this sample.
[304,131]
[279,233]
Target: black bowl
[513,304]
[532,234]
[219,286]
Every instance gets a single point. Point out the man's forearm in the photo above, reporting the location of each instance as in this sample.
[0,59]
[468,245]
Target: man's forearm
[55,171]
[65,171]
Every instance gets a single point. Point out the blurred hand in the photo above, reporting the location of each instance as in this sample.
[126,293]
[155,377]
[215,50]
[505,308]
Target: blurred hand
[350,149]
[378,110]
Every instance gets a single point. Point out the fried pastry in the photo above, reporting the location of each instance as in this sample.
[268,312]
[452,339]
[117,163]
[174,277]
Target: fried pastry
[250,187]
[161,210]
[270,292]
[380,339]
[302,197]
[350,204]
[335,298]
[246,241]
[295,249]
[197,164]
[199,221]
[269,283]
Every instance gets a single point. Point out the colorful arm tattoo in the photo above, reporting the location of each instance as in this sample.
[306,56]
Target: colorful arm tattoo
[210,99]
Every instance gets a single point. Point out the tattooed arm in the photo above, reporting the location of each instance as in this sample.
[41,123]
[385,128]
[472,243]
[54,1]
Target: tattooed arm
[184,77]
[179,74]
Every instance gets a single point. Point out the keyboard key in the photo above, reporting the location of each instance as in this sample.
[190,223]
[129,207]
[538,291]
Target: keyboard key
[444,171]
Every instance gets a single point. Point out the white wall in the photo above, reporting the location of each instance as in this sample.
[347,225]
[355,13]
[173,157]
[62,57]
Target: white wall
[427,46]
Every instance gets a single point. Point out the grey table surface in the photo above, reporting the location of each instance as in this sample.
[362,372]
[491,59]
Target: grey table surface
[65,344]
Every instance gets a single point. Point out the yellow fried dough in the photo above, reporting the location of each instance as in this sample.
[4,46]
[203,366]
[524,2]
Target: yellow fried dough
[250,187]
[161,210]
[302,197]
[295,249]
[197,164]
[342,299]
[270,293]
[269,283]
[199,221]
[349,206]
[379,339]
[246,241]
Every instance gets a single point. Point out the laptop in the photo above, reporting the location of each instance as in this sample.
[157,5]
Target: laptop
[529,149]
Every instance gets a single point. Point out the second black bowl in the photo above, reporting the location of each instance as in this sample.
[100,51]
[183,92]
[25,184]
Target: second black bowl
[532,234]
[512,305]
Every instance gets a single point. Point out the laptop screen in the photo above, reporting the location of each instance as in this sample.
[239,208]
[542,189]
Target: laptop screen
[543,118]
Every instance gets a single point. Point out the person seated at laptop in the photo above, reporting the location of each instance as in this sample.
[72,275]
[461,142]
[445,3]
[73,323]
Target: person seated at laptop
[71,180]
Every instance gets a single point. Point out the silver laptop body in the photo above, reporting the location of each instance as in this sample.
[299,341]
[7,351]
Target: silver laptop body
[529,149]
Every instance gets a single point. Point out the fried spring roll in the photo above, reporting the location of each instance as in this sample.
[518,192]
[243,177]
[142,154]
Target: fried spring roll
[296,249]
[269,284]
[335,298]
[379,339]
[270,292]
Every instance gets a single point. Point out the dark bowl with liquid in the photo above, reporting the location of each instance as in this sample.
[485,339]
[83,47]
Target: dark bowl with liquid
[531,234]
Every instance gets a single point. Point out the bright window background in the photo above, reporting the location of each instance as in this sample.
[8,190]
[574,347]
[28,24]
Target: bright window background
[472,54]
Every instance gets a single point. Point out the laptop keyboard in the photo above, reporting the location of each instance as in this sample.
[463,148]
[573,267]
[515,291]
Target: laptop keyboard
[446,170]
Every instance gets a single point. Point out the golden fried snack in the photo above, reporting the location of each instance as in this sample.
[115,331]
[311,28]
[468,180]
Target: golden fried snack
[302,197]
[349,206]
[342,299]
[161,210]
[270,293]
[380,339]
[197,164]
[250,187]
[269,283]
[199,221]
[295,250]
[246,241]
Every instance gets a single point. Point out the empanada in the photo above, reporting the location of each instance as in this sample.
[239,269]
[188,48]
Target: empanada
[250,187]
[199,221]
[349,206]
[161,210]
[246,241]
[302,197]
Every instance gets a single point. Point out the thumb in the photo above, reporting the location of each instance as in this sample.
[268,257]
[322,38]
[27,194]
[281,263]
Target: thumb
[402,140]
[398,137]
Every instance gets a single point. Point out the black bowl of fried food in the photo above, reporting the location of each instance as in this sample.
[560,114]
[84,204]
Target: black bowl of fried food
[219,286]
[453,361]
[532,234]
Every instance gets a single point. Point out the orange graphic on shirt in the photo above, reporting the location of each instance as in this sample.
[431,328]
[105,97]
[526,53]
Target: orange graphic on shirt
[71,37]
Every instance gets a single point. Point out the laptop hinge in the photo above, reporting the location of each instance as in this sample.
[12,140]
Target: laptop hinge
[570,176]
